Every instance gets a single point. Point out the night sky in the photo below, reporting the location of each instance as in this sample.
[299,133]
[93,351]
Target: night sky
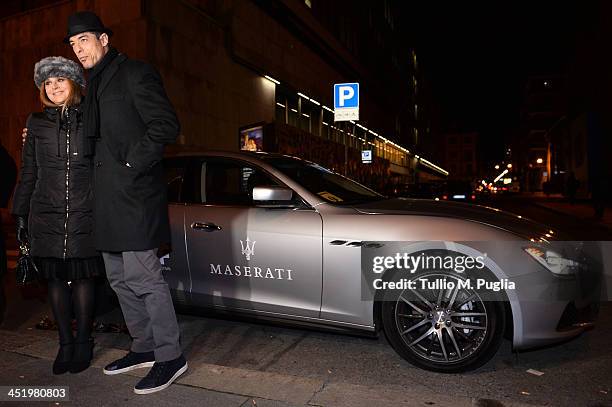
[477,55]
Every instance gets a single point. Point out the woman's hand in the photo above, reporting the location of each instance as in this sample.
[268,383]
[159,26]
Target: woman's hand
[24,135]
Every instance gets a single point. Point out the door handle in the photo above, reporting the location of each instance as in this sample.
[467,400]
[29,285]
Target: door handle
[205,226]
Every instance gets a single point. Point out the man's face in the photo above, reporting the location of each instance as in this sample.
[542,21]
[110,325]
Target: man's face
[88,48]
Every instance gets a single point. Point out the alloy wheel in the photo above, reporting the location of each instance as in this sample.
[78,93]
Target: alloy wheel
[442,325]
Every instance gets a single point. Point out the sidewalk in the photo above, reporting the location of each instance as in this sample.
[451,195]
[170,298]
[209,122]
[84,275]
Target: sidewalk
[578,210]
[25,360]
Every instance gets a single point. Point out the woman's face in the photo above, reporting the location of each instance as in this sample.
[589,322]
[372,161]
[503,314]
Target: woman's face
[58,89]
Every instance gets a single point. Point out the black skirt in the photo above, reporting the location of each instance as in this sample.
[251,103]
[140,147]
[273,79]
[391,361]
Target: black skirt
[51,268]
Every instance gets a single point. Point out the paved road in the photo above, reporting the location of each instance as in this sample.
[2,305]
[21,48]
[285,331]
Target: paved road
[580,229]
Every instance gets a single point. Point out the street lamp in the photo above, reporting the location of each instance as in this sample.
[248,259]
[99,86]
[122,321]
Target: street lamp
[497,167]
[539,161]
[509,166]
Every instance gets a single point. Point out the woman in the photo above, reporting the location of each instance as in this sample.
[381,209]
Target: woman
[53,206]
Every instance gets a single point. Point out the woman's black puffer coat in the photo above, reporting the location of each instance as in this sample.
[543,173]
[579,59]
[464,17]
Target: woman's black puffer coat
[55,186]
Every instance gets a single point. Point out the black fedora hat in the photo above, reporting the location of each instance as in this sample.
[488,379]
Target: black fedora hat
[85,21]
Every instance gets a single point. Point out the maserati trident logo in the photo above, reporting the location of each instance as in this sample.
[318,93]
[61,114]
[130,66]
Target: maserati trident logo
[250,270]
[249,249]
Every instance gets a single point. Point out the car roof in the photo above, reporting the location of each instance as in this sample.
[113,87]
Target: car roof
[174,152]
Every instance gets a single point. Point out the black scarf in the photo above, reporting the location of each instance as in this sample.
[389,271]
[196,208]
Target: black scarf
[91,111]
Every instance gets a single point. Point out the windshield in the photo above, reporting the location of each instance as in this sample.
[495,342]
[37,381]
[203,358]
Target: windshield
[332,187]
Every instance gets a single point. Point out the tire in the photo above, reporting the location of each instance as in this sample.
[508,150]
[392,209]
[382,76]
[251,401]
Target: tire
[419,327]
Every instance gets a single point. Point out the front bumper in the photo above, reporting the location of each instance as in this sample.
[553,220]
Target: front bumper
[554,309]
[562,321]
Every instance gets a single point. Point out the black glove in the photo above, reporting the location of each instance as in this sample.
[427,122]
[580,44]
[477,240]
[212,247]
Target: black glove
[21,223]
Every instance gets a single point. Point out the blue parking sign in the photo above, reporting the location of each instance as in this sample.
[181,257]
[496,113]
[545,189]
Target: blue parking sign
[346,95]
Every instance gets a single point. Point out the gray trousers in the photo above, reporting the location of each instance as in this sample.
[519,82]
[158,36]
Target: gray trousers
[146,303]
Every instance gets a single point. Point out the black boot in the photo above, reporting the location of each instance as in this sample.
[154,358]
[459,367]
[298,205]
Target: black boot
[59,298]
[63,360]
[83,353]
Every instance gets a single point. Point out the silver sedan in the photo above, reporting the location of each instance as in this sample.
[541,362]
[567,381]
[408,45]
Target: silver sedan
[280,238]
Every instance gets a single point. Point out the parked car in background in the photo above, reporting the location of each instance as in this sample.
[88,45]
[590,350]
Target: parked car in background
[423,190]
[457,190]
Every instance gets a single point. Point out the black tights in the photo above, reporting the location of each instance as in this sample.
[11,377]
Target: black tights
[66,300]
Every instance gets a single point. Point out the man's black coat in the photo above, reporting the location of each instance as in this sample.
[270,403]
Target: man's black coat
[136,121]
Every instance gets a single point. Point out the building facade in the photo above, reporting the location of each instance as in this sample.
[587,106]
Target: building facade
[235,67]
[543,111]
[459,152]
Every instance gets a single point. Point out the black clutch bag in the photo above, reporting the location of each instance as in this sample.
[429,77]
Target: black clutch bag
[26,271]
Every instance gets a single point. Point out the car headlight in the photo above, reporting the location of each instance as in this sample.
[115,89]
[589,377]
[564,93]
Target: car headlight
[554,262]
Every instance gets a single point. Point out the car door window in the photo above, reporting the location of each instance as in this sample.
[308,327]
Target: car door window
[226,182]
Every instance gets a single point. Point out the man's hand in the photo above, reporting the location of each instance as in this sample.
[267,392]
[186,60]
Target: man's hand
[24,135]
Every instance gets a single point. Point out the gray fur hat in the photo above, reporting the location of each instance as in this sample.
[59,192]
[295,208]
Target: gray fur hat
[50,67]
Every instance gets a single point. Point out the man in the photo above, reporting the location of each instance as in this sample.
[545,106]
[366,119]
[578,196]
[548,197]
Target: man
[128,119]
[8,169]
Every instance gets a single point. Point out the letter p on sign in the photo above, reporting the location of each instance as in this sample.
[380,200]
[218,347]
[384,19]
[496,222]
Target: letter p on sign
[346,92]
[346,101]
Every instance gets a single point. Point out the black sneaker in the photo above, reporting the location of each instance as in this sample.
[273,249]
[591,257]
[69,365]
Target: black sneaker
[131,361]
[161,375]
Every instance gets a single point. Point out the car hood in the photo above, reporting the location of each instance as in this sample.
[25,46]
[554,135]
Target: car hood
[516,224]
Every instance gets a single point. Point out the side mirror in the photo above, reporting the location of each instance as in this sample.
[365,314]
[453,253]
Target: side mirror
[272,194]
